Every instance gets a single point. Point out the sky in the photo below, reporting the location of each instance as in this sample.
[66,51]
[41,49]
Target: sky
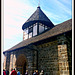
[16,12]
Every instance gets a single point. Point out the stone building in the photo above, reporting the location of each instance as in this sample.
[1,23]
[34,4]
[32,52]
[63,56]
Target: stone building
[44,47]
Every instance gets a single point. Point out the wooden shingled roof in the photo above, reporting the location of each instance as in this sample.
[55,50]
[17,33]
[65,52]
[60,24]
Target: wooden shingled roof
[38,16]
[58,29]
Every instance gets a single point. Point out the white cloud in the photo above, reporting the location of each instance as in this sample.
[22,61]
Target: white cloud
[58,11]
[10,32]
[55,17]
[63,7]
[67,1]
[14,17]
[15,14]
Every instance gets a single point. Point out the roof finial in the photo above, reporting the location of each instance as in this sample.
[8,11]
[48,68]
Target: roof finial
[38,3]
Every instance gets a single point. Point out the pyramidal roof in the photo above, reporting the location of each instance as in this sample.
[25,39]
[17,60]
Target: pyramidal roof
[38,16]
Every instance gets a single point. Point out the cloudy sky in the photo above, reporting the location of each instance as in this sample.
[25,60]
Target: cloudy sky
[16,12]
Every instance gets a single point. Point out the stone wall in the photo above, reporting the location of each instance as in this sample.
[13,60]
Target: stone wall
[52,55]
[6,61]
[48,58]
[30,55]
[63,60]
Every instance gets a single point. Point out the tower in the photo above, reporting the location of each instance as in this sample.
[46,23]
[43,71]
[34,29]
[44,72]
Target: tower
[36,24]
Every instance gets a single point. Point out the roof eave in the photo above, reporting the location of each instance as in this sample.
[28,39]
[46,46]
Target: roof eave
[27,24]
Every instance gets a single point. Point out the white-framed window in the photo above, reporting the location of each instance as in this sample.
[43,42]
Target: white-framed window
[41,27]
[26,31]
[25,34]
[30,35]
[34,29]
[46,27]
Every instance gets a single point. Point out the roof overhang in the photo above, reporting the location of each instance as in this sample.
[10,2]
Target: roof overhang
[27,24]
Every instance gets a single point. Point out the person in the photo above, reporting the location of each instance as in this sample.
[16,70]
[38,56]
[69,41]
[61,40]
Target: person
[34,72]
[26,72]
[18,72]
[41,73]
[7,72]
[37,72]
[13,72]
[4,73]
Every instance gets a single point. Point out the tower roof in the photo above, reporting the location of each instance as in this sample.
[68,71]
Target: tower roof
[38,16]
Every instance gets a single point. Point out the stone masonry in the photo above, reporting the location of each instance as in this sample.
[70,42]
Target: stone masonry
[52,56]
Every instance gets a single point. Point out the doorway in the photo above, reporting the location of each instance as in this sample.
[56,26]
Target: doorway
[21,64]
[24,69]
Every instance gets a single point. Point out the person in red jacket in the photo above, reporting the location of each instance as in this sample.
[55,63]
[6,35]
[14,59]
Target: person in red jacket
[13,72]
[4,73]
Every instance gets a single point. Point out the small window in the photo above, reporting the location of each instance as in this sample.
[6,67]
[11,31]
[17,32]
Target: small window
[46,27]
[30,35]
[30,30]
[26,31]
[34,30]
[40,24]
[41,29]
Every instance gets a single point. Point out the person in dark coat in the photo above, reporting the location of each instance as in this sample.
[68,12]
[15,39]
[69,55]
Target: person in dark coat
[7,72]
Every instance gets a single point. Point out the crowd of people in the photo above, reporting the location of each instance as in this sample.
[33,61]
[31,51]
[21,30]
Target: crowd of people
[5,72]
[13,72]
[36,72]
[17,72]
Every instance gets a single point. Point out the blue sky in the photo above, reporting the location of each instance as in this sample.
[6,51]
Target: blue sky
[16,12]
